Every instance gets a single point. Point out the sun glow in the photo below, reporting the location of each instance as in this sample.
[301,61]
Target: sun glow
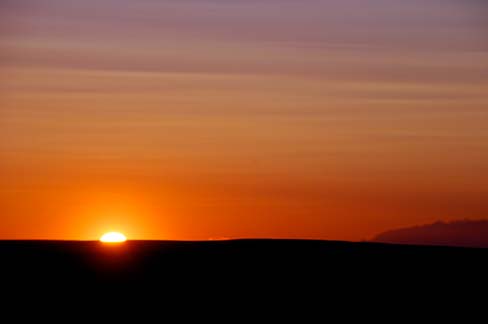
[113,237]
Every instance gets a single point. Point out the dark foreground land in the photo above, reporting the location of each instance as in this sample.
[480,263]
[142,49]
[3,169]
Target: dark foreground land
[233,280]
[239,264]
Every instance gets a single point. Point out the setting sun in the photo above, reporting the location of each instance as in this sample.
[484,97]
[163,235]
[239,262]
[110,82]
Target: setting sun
[113,237]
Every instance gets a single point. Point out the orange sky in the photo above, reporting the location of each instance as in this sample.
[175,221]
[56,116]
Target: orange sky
[209,119]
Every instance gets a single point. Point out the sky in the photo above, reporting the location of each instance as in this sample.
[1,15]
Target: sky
[210,119]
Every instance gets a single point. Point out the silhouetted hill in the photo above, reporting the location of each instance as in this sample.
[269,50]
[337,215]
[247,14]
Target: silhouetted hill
[460,233]
[235,264]
[241,277]
[232,279]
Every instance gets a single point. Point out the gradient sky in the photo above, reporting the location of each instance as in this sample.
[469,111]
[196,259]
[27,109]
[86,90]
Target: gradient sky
[197,119]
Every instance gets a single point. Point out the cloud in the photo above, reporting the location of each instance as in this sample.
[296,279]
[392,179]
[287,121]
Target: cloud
[467,233]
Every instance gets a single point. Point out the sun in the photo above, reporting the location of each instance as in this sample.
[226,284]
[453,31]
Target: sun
[113,237]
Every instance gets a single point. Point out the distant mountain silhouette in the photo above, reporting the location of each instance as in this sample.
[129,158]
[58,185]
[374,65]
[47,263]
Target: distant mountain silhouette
[468,233]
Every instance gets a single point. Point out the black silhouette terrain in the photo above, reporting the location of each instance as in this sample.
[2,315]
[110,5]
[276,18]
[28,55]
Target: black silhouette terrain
[236,266]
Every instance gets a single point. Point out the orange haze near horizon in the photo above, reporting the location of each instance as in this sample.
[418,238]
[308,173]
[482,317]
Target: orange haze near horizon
[230,119]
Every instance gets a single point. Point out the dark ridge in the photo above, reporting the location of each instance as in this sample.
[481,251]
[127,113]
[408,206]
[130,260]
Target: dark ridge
[467,233]
[235,263]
